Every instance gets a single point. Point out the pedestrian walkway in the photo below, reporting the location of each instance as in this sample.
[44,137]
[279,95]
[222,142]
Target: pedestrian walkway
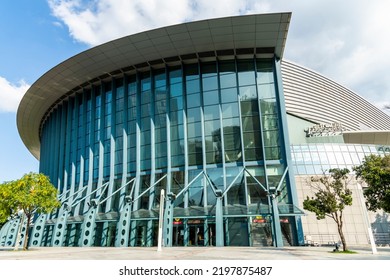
[192,253]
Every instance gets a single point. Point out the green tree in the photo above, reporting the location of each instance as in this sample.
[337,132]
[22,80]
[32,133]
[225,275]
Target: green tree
[331,196]
[6,209]
[33,193]
[375,171]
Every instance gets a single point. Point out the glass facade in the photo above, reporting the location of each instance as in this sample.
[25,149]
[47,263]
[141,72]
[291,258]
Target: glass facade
[310,159]
[197,130]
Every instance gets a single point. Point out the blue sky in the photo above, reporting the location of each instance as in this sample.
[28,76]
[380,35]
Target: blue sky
[31,44]
[347,41]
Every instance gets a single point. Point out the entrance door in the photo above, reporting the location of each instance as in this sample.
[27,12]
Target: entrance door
[141,230]
[196,236]
[178,234]
[261,232]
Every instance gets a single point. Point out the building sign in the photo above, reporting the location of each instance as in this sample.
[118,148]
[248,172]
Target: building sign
[385,149]
[325,130]
[259,220]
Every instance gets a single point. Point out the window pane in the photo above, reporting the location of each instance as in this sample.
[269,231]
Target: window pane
[193,100]
[176,89]
[253,154]
[211,112]
[145,83]
[252,139]
[227,66]
[228,80]
[246,74]
[212,127]
[271,138]
[230,110]
[268,106]
[232,122]
[210,83]
[208,69]
[160,79]
[175,76]
[210,97]
[249,108]
[194,129]
[191,71]
[270,122]
[195,159]
[176,103]
[272,153]
[266,91]
[192,86]
[195,145]
[229,95]
[193,115]
[248,93]
[250,123]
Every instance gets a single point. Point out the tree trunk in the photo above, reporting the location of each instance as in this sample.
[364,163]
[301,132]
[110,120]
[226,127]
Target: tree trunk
[340,230]
[25,246]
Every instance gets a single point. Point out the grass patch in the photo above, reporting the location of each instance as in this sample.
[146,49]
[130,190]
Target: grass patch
[344,252]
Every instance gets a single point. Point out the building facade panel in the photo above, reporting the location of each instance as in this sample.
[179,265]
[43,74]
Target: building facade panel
[316,98]
[196,130]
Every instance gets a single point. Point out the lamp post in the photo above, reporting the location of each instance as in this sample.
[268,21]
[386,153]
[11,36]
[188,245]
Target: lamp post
[366,218]
[160,221]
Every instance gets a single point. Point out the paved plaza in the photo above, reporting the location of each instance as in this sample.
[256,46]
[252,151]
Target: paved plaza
[192,253]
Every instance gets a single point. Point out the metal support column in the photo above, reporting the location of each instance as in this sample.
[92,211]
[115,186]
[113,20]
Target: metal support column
[123,227]
[12,232]
[168,219]
[60,226]
[38,229]
[87,235]
[219,234]
[4,231]
[22,229]
[278,240]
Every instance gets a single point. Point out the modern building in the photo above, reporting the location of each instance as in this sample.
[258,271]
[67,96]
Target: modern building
[200,126]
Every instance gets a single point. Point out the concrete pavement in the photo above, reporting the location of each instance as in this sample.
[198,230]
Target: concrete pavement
[192,253]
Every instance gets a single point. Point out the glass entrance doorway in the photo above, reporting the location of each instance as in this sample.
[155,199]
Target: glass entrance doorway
[193,232]
[261,232]
[196,233]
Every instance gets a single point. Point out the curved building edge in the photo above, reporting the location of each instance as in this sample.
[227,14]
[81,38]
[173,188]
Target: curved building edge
[236,36]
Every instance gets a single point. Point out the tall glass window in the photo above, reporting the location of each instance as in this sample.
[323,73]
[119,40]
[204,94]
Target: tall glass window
[107,129]
[249,110]
[268,103]
[211,112]
[194,110]
[230,111]
[146,113]
[119,109]
[88,124]
[132,125]
[160,110]
[97,124]
[176,117]
[80,138]
[73,139]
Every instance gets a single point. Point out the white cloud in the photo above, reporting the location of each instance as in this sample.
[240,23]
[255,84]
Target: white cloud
[344,40]
[11,94]
[95,22]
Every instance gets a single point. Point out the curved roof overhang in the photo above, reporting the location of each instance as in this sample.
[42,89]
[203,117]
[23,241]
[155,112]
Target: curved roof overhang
[367,137]
[230,36]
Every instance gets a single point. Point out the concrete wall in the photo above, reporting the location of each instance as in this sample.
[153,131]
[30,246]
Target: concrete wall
[355,227]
